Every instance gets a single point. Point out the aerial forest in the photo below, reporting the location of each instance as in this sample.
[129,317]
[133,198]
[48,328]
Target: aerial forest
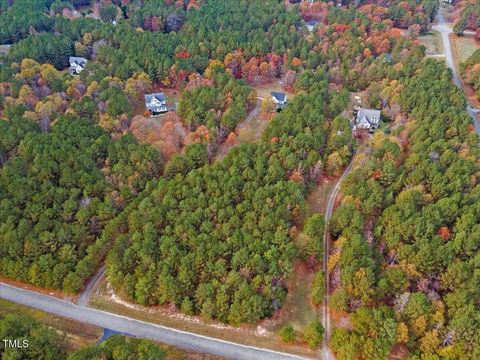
[217,236]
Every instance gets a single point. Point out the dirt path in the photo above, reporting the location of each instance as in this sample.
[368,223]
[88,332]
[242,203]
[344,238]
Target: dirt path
[326,352]
[253,114]
[240,130]
[92,284]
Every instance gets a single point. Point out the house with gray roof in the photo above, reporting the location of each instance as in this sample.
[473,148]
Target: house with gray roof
[77,64]
[367,119]
[311,24]
[280,99]
[156,103]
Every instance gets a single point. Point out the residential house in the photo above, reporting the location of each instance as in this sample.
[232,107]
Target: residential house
[77,64]
[388,57]
[156,103]
[280,99]
[311,24]
[367,119]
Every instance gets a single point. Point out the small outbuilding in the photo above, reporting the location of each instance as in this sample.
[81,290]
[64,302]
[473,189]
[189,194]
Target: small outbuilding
[156,103]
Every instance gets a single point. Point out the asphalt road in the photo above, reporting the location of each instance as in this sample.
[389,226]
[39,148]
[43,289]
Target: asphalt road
[326,352]
[139,328]
[445,30]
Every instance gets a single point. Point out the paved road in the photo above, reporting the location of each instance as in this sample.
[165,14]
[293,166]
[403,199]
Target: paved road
[326,352]
[92,284]
[445,30]
[138,328]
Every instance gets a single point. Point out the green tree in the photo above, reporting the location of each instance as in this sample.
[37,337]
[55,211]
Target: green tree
[318,288]
[313,334]
[43,342]
[288,334]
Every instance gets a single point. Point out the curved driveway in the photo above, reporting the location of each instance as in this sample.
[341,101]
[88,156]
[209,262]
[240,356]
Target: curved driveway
[139,328]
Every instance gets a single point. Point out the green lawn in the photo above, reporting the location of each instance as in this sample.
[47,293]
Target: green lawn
[464,47]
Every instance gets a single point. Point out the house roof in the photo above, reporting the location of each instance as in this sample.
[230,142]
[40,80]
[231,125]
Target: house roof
[76,60]
[389,57]
[279,96]
[371,116]
[157,96]
[155,101]
[311,22]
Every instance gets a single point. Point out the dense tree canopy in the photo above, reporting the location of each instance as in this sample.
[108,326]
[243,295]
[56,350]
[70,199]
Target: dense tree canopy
[421,201]
[55,200]
[17,21]
[43,342]
[469,18]
[216,240]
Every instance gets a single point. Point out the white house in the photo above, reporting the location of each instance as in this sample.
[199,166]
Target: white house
[311,24]
[280,99]
[77,64]
[156,103]
[367,119]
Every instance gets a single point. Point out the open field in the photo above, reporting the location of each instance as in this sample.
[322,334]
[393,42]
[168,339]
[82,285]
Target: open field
[432,42]
[464,47]
[317,199]
[264,89]
[248,132]
[251,130]
[297,311]
[78,334]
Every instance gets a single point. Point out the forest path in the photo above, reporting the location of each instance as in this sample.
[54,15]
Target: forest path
[245,132]
[326,352]
[90,287]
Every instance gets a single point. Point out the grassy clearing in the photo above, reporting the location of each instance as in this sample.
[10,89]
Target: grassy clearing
[298,311]
[248,132]
[432,42]
[317,199]
[464,47]
[263,90]
[252,131]
[78,334]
